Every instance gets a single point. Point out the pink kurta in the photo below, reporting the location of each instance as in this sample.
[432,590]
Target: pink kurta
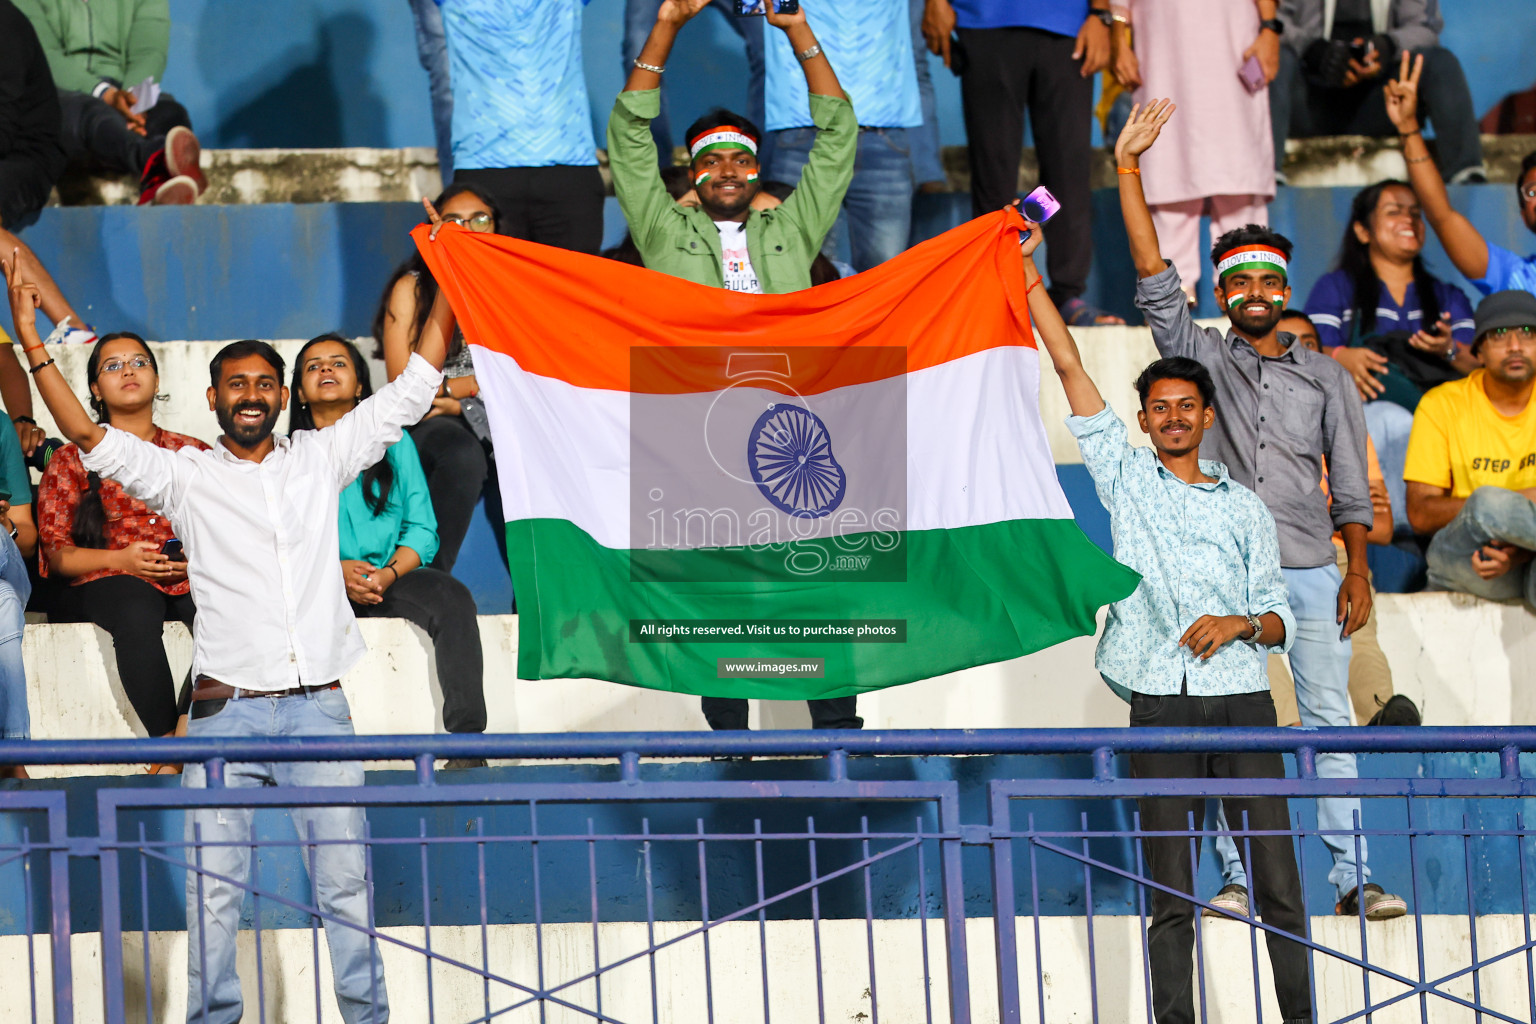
[1219,141]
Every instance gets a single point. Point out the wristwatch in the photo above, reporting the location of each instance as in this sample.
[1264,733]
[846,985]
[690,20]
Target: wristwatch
[1257,627]
[1275,25]
[1104,15]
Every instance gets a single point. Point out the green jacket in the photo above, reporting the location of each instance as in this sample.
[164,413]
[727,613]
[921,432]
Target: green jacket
[684,242]
[118,41]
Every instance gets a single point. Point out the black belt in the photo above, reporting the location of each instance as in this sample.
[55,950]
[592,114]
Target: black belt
[212,689]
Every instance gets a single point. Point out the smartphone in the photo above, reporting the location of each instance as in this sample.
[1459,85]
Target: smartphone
[172,549]
[747,8]
[1039,206]
[1252,75]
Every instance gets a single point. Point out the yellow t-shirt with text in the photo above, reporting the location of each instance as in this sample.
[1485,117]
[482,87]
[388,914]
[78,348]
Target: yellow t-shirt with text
[1461,441]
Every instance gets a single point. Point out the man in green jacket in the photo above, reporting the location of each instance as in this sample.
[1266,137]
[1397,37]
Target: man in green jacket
[99,53]
[723,241]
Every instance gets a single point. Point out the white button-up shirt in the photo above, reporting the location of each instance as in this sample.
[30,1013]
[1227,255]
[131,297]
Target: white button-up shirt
[261,538]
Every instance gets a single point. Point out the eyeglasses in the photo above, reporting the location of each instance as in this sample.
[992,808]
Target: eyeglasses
[475,221]
[1500,336]
[1528,191]
[117,365]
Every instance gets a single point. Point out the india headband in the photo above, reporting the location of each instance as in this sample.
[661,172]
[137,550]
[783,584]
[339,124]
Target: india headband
[1254,255]
[724,137]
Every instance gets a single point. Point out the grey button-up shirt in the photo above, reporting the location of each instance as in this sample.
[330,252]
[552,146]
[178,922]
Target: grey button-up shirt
[1276,418]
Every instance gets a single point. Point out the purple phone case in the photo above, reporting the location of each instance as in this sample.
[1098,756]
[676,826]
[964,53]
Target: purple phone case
[1040,206]
[1252,75]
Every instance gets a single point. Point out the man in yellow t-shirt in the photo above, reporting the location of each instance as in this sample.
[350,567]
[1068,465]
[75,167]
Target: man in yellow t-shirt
[1471,466]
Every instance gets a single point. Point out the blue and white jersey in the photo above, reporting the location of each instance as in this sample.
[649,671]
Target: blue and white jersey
[519,90]
[869,43]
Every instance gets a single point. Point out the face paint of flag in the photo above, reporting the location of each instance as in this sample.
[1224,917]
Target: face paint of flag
[701,179]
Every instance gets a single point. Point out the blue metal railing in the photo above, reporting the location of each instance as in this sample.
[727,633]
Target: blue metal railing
[1032,829]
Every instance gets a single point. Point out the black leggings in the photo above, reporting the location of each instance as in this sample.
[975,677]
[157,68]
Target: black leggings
[132,611]
[443,607]
[455,465]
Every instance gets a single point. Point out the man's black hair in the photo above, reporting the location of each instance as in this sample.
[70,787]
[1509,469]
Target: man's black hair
[241,349]
[1296,314]
[1249,234]
[1177,368]
[720,116]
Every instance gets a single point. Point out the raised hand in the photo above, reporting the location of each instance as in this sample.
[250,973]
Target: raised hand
[433,217]
[783,21]
[1142,129]
[677,12]
[24,295]
[1402,94]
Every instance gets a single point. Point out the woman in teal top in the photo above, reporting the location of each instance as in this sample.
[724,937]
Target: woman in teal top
[388,533]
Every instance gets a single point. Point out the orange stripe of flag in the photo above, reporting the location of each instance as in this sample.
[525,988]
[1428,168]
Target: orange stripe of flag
[580,318]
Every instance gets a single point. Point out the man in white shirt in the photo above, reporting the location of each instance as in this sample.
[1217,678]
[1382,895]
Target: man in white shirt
[258,520]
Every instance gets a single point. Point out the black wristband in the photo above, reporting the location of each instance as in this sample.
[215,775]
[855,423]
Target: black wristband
[24,419]
[39,366]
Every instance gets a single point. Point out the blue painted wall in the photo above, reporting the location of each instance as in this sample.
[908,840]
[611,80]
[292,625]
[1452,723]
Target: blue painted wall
[1438,880]
[344,72]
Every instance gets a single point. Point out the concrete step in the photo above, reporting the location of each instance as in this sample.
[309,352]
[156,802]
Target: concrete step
[1462,660]
[360,175]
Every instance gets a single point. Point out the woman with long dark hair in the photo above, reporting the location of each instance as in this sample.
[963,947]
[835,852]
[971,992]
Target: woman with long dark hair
[388,533]
[1392,324]
[113,548]
[453,439]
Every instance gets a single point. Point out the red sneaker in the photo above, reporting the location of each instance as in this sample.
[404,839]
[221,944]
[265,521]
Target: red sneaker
[156,173]
[183,155]
[178,191]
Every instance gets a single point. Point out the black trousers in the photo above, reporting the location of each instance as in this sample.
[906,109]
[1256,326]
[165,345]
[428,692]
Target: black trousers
[1272,877]
[132,611]
[93,131]
[456,467]
[1008,71]
[559,206]
[25,181]
[832,713]
[1300,109]
[443,607]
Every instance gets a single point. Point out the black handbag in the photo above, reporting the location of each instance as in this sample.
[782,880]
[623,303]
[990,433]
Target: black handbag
[1410,371]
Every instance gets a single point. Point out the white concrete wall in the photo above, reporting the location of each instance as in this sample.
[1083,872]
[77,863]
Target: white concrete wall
[1465,662]
[735,953]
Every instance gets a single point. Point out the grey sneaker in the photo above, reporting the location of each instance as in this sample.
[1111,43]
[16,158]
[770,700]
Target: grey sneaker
[1379,905]
[1232,898]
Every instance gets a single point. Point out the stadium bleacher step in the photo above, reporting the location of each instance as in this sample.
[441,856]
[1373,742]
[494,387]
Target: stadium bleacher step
[359,175]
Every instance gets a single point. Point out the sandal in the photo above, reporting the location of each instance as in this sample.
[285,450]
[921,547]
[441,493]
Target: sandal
[1078,313]
[163,768]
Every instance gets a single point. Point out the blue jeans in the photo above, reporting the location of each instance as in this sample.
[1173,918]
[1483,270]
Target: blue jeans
[1320,663]
[640,18]
[338,872]
[1491,513]
[432,51]
[15,589]
[927,165]
[877,210]
[1389,425]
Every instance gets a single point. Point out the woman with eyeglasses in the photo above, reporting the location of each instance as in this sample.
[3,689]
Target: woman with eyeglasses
[125,573]
[454,438]
[388,534]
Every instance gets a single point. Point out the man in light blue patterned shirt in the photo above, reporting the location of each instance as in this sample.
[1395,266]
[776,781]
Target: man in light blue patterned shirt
[1188,647]
[522,126]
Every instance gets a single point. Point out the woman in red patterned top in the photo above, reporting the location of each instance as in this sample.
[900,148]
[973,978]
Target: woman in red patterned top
[110,545]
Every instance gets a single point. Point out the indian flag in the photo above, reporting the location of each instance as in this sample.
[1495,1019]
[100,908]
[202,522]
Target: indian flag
[854,476]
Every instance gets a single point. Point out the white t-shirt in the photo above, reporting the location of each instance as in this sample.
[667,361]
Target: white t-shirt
[739,275]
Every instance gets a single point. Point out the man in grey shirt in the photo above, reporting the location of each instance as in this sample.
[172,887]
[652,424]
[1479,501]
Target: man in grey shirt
[1283,409]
